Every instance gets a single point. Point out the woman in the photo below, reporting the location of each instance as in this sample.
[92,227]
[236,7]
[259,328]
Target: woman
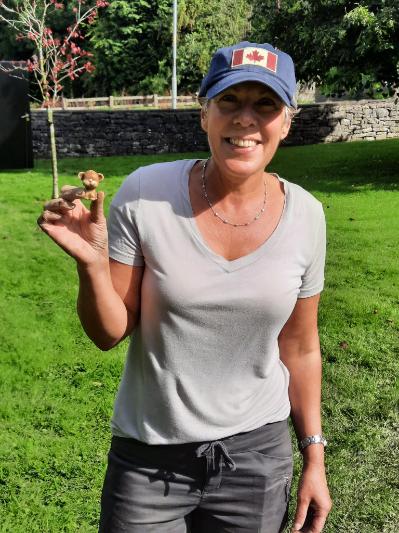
[215,269]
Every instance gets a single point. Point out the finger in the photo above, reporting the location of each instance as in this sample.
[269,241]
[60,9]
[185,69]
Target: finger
[97,207]
[66,188]
[49,216]
[41,222]
[71,193]
[58,205]
[47,220]
[300,515]
[319,519]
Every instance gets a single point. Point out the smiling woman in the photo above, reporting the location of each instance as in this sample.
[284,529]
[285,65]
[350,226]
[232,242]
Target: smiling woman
[214,269]
[245,125]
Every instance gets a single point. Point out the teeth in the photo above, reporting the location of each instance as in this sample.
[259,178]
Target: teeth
[242,142]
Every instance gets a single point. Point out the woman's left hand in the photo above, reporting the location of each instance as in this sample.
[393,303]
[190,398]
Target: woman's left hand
[313,500]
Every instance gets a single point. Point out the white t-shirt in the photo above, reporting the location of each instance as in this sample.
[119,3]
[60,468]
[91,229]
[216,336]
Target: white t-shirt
[203,362]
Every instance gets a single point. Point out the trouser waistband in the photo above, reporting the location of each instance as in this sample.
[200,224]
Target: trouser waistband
[268,435]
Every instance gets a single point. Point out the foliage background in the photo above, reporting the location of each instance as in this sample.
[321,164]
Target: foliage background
[345,46]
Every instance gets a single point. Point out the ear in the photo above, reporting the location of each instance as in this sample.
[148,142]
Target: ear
[285,129]
[100,176]
[204,119]
[81,175]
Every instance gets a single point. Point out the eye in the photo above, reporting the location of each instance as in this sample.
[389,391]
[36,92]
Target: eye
[228,97]
[268,102]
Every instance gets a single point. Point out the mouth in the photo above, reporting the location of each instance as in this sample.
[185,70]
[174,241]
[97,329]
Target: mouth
[242,143]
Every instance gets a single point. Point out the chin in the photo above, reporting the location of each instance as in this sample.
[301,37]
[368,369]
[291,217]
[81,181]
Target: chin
[244,168]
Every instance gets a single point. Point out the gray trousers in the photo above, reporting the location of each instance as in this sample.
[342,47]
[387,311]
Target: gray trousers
[236,484]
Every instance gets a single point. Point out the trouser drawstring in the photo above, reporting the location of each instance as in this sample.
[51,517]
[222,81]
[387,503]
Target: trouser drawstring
[208,450]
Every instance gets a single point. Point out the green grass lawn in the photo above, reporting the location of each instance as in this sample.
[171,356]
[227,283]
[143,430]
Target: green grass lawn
[57,389]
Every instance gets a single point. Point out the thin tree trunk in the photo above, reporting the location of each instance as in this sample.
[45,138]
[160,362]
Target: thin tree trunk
[53,147]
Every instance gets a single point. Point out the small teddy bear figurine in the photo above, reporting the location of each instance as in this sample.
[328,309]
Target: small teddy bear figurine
[90,180]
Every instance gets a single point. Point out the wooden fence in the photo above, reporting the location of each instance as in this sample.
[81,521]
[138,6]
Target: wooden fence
[117,102]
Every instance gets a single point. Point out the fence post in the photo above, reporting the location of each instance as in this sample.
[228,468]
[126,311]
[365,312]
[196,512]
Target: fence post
[111,101]
[64,102]
[155,100]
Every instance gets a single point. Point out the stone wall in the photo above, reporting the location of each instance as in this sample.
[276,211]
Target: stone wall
[128,132]
[345,121]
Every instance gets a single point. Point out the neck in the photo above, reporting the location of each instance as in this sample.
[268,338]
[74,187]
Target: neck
[237,200]
[238,187]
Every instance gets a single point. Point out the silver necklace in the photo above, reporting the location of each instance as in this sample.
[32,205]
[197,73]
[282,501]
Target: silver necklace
[216,214]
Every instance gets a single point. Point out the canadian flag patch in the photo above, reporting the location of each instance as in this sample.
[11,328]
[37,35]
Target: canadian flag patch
[254,56]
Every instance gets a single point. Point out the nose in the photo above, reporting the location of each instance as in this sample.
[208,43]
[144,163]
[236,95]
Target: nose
[245,116]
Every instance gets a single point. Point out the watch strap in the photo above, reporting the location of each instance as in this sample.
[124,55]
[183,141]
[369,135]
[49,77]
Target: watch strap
[311,439]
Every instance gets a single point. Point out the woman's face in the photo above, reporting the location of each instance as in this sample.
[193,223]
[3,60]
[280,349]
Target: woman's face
[245,125]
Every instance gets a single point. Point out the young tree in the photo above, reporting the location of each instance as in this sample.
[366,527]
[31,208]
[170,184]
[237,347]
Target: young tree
[57,56]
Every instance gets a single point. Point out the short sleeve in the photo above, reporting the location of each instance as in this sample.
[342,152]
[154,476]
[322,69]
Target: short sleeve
[313,277]
[122,222]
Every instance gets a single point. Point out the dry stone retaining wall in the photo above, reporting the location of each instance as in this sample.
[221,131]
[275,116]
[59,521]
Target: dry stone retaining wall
[128,132]
[346,121]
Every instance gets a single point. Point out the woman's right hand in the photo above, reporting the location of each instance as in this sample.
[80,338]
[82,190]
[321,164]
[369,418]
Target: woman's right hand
[80,232]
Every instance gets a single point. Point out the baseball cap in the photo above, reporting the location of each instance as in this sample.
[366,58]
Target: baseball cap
[247,61]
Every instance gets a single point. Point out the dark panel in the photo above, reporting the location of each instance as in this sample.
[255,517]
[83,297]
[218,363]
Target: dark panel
[15,126]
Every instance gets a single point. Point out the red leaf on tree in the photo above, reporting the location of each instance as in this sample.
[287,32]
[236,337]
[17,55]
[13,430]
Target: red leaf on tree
[255,56]
[89,67]
[30,66]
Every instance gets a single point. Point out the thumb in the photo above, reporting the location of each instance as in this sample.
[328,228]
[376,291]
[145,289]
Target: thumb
[97,207]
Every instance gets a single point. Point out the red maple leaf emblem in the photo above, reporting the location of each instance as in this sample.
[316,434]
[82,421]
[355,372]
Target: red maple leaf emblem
[255,56]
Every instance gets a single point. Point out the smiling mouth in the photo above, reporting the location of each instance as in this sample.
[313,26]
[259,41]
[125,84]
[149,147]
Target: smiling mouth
[243,143]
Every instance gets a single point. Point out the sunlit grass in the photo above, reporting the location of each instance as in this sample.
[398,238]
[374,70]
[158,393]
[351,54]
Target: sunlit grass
[57,389]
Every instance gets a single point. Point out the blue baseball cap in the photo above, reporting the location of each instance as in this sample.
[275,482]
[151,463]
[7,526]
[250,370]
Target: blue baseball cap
[247,61]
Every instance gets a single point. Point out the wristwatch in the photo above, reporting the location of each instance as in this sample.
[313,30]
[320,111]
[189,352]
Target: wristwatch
[312,439]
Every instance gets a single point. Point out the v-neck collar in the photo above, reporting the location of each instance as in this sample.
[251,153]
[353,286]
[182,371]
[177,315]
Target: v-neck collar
[240,262]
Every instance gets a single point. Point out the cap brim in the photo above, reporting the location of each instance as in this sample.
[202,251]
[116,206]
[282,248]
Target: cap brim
[240,76]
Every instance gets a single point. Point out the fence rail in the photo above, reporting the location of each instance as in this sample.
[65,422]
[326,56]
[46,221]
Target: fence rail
[115,102]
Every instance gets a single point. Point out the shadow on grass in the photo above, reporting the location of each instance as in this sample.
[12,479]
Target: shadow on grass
[341,167]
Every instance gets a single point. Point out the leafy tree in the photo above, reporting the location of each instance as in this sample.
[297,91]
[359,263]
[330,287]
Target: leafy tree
[345,46]
[130,43]
[205,26]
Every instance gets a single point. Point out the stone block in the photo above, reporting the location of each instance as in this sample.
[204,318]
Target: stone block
[382,112]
